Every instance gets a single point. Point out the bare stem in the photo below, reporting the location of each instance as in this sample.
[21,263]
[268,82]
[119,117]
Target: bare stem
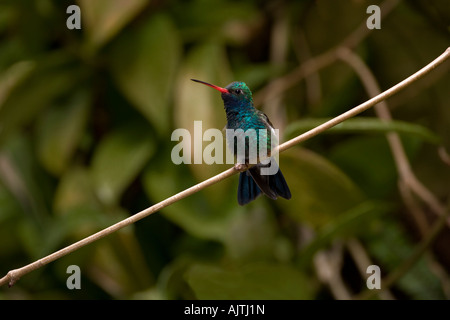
[13,275]
[309,67]
[394,276]
[366,105]
[408,182]
[382,110]
[362,261]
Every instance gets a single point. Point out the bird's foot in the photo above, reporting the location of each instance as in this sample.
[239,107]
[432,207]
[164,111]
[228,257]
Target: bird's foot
[241,167]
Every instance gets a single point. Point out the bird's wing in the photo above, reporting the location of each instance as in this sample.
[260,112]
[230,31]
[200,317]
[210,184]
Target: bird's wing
[269,125]
[265,118]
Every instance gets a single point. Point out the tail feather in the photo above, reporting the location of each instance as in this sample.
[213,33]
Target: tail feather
[247,189]
[252,184]
[262,182]
[281,187]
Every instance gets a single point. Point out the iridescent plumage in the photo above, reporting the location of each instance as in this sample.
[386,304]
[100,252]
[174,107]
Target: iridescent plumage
[241,114]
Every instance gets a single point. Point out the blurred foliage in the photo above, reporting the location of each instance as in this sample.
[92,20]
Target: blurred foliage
[85,123]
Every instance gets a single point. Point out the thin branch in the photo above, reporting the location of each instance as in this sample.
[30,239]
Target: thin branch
[13,275]
[408,182]
[309,67]
[418,215]
[366,105]
[382,110]
[16,274]
[360,33]
[445,157]
[440,272]
[278,86]
[394,276]
[362,261]
[278,54]
[313,87]
[328,267]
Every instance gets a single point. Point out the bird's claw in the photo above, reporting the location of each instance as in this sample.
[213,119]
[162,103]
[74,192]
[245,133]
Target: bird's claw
[241,167]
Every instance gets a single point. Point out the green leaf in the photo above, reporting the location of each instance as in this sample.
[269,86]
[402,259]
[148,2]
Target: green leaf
[391,246]
[143,63]
[25,179]
[345,225]
[252,235]
[13,77]
[30,187]
[196,102]
[196,214]
[363,125]
[258,281]
[217,19]
[246,232]
[39,86]
[103,19]
[75,189]
[320,191]
[118,159]
[59,132]
[368,161]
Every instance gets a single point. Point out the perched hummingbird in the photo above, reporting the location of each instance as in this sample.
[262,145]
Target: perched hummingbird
[241,114]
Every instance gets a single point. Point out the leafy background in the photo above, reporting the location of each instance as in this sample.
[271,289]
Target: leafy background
[85,123]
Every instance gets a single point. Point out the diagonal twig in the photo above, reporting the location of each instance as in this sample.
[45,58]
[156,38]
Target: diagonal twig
[406,174]
[13,275]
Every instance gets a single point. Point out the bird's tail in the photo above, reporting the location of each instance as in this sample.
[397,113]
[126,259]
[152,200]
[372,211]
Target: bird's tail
[248,190]
[252,184]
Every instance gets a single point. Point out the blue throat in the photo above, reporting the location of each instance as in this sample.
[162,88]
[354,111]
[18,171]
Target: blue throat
[241,114]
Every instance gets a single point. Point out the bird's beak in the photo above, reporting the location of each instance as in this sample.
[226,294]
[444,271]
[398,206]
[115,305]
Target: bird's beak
[223,90]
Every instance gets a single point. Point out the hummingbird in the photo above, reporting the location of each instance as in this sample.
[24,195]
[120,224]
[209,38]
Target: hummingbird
[241,114]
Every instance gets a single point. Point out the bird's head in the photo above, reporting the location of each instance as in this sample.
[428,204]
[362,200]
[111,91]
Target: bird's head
[235,95]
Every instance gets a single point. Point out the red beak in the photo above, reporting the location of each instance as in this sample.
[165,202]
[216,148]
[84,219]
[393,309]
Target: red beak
[223,90]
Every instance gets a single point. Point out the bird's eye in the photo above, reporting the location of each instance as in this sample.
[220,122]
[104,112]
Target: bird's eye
[238,91]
